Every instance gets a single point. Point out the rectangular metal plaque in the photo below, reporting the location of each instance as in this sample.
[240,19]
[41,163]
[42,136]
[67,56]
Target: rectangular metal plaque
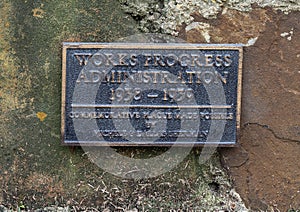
[141,94]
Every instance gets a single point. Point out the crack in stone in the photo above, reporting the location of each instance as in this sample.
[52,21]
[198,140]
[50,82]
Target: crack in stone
[264,126]
[242,163]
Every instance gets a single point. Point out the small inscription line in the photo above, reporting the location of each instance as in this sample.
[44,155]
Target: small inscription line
[151,106]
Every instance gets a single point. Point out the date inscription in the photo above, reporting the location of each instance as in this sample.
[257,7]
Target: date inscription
[150,94]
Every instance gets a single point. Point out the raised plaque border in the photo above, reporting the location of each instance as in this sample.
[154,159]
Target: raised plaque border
[182,46]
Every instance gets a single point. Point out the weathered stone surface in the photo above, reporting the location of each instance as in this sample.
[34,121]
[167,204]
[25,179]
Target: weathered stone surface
[166,16]
[269,177]
[274,63]
[239,27]
[271,117]
[35,170]
[265,167]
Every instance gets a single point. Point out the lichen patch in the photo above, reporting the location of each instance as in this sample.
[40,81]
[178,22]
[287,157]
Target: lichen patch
[38,13]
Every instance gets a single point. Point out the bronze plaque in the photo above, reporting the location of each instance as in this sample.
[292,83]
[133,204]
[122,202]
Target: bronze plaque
[141,94]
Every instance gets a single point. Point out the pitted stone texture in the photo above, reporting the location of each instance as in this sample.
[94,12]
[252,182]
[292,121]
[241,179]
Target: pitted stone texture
[167,16]
[271,79]
[269,66]
[231,27]
[265,167]
[268,177]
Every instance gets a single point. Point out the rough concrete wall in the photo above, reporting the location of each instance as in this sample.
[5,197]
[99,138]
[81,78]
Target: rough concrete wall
[36,171]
